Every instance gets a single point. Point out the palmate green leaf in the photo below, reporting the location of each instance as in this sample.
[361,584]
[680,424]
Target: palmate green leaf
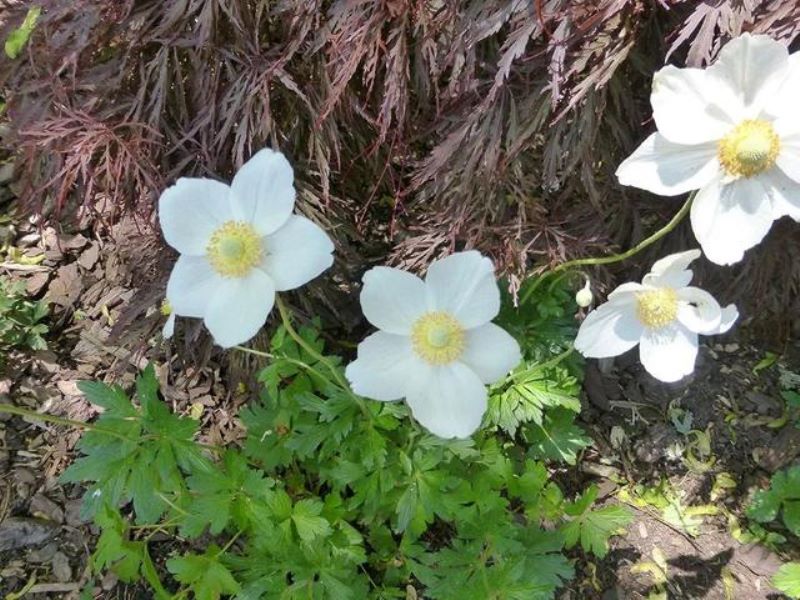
[307,520]
[114,550]
[783,496]
[529,393]
[208,578]
[557,438]
[593,528]
[787,579]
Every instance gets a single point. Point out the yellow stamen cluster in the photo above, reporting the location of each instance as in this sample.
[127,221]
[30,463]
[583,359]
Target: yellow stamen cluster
[234,249]
[657,308]
[749,149]
[437,338]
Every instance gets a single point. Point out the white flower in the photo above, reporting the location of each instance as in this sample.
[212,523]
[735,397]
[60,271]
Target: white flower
[436,346]
[239,244]
[663,314]
[731,131]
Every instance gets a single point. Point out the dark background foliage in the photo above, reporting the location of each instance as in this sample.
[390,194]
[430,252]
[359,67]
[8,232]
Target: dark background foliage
[415,127]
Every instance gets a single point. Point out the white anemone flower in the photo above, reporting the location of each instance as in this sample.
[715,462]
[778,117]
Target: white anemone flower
[238,245]
[436,346]
[731,131]
[663,314]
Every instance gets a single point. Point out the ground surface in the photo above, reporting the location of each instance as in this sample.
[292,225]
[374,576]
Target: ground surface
[105,300]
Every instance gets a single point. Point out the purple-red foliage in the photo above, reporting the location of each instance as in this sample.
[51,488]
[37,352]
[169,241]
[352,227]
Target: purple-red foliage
[415,126]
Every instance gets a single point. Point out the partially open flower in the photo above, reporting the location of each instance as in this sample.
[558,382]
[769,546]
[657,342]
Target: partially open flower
[436,346]
[731,131]
[663,314]
[239,244]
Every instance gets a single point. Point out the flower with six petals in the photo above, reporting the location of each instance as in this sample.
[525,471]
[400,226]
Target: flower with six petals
[436,346]
[663,315]
[238,245]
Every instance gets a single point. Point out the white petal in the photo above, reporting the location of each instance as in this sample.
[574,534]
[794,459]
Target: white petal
[263,191]
[669,353]
[689,109]
[669,169]
[169,327]
[625,290]
[491,352]
[672,271]
[239,308]
[729,315]
[729,218]
[385,365]
[450,402]
[789,157]
[753,67]
[190,211]
[611,329]
[393,299]
[463,285]
[783,103]
[297,253]
[785,194]
[191,285]
[698,311]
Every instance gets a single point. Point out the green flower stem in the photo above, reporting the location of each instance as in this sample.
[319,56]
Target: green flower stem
[614,258]
[293,361]
[337,377]
[45,418]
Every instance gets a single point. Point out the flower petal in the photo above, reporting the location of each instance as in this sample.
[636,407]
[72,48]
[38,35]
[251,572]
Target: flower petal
[672,271]
[689,109]
[789,157]
[669,353]
[785,194]
[392,299]
[169,327]
[626,289]
[463,285]
[490,352]
[729,218]
[783,103]
[190,211]
[611,329]
[669,169]
[729,315]
[263,191]
[450,403]
[698,310]
[297,253]
[191,285]
[752,68]
[385,365]
[239,308]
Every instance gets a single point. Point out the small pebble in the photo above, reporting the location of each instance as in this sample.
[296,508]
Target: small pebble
[61,569]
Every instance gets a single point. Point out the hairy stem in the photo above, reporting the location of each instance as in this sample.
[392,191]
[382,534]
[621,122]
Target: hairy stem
[614,258]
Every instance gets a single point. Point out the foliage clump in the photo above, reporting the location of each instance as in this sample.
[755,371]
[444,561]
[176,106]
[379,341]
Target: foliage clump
[332,496]
[21,326]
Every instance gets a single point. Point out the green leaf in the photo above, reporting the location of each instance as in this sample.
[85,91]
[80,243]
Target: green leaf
[558,438]
[787,579]
[111,398]
[16,41]
[204,574]
[594,527]
[307,522]
[791,516]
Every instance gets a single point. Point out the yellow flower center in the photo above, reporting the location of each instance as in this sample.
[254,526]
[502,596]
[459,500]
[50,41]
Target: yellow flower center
[657,308]
[749,149]
[234,249]
[437,338]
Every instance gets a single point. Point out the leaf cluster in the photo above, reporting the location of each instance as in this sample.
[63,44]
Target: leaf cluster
[332,496]
[781,498]
[21,326]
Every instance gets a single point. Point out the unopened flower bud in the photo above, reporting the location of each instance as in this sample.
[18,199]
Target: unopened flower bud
[584,296]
